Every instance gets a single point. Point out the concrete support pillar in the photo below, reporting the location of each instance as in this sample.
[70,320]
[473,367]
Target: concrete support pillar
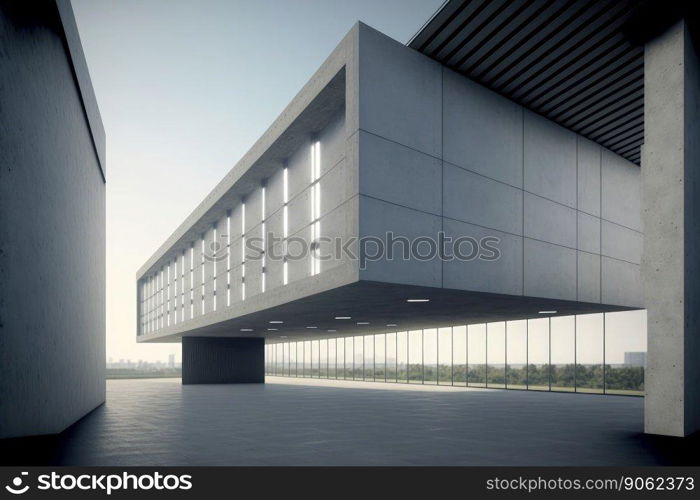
[223,360]
[671,218]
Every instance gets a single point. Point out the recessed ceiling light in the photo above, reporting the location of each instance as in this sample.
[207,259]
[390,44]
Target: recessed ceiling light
[246,329]
[312,327]
[272,329]
[283,336]
[331,331]
[391,324]
[363,322]
[418,300]
[547,312]
[276,322]
[343,317]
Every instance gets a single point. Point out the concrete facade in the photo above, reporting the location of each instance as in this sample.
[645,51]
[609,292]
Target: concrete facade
[671,157]
[410,147]
[230,360]
[52,225]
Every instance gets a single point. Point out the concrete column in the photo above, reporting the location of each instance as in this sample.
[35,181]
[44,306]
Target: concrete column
[223,360]
[671,218]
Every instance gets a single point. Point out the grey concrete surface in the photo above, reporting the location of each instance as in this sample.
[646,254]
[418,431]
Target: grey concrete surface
[671,215]
[52,227]
[312,422]
[227,360]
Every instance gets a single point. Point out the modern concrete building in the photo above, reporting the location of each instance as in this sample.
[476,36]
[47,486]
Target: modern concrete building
[52,224]
[480,189]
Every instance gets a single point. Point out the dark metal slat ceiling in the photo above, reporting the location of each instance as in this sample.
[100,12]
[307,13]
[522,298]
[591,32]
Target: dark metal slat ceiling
[565,59]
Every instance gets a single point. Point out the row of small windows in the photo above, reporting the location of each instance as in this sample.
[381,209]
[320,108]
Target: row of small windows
[593,353]
[167,298]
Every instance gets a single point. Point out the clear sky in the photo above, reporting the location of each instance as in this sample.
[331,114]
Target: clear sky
[184,89]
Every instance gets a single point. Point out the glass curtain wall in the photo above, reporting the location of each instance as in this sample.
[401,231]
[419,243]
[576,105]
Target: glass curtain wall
[591,353]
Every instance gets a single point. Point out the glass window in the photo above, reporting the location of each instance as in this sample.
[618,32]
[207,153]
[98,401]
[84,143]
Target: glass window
[307,358]
[459,355]
[430,356]
[332,358]
[323,358]
[391,357]
[267,358]
[402,356]
[415,357]
[279,356]
[516,354]
[314,358]
[380,357]
[589,353]
[349,354]
[286,359]
[340,358]
[445,356]
[293,359]
[300,359]
[625,352]
[563,340]
[369,357]
[538,354]
[496,355]
[476,351]
[359,359]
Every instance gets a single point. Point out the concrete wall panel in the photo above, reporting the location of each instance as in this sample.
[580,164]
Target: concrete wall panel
[400,93]
[621,283]
[483,131]
[588,228]
[476,199]
[376,219]
[621,243]
[588,277]
[550,270]
[504,275]
[550,160]
[549,221]
[588,176]
[398,174]
[620,191]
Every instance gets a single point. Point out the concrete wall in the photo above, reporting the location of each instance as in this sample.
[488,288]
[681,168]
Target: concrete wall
[670,161]
[52,228]
[439,152]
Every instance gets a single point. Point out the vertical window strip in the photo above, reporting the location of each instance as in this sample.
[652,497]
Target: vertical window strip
[262,218]
[285,223]
[175,282]
[228,258]
[315,196]
[182,287]
[167,308]
[213,266]
[202,275]
[243,250]
[192,280]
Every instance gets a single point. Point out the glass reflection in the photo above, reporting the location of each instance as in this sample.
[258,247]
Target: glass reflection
[415,357]
[625,352]
[476,354]
[459,355]
[444,356]
[496,355]
[589,353]
[430,356]
[563,339]
[516,354]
